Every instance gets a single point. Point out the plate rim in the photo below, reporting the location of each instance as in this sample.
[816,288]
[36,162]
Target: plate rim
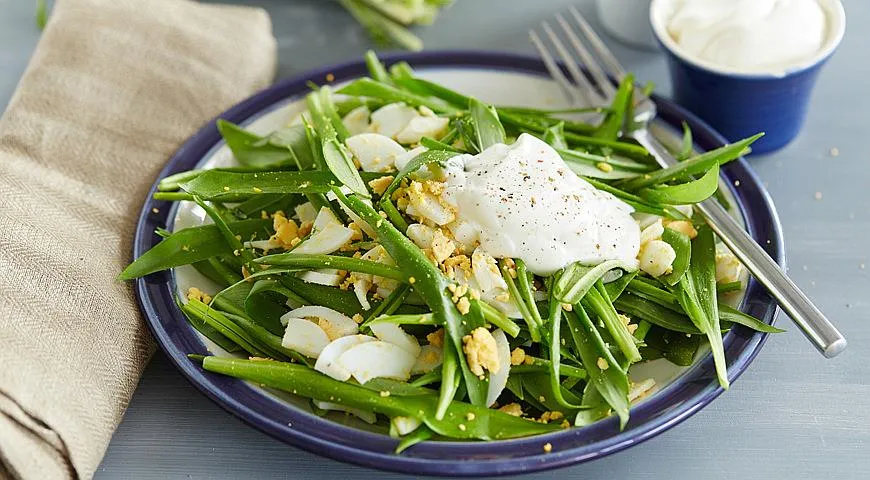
[154,294]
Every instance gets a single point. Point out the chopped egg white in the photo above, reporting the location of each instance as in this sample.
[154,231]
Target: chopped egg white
[419,127]
[357,120]
[421,235]
[327,362]
[728,267]
[498,380]
[657,258]
[375,152]
[391,119]
[403,159]
[404,425]
[323,276]
[306,212]
[429,359]
[392,333]
[364,415]
[377,359]
[304,336]
[328,235]
[524,202]
[334,324]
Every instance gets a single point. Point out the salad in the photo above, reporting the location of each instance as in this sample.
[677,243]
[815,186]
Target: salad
[451,269]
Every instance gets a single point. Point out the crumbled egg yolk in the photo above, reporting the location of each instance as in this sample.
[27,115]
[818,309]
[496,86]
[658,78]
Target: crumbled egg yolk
[551,416]
[481,351]
[436,338]
[684,227]
[286,231]
[512,409]
[194,293]
[518,356]
[380,184]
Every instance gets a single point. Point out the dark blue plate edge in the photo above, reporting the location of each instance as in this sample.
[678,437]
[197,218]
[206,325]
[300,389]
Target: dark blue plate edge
[158,287]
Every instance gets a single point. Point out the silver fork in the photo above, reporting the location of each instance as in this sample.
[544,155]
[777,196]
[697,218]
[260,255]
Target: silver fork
[597,89]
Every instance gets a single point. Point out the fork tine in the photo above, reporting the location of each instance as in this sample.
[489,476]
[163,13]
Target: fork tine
[591,64]
[582,83]
[554,69]
[598,45]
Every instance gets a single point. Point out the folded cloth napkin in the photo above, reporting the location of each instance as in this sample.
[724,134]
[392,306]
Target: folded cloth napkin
[115,86]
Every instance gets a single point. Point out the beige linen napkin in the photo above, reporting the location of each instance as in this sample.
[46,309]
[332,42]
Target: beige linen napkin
[115,86]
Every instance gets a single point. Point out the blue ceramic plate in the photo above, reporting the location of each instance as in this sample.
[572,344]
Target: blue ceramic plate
[501,78]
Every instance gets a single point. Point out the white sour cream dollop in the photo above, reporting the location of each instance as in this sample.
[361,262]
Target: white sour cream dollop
[524,202]
[749,36]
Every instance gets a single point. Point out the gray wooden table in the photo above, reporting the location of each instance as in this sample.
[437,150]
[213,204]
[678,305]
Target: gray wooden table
[792,414]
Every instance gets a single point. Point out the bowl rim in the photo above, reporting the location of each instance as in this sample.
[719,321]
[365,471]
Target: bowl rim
[834,10]
[693,390]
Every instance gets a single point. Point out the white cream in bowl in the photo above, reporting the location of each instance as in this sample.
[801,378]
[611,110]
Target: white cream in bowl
[749,36]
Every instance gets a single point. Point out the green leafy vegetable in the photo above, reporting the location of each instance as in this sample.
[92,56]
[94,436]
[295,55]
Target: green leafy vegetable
[487,127]
[685,193]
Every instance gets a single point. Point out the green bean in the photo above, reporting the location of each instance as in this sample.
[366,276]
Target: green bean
[555,136]
[693,166]
[578,279]
[729,287]
[643,309]
[172,182]
[696,292]
[421,434]
[610,381]
[430,283]
[531,319]
[687,193]
[597,301]
[687,145]
[390,304]
[433,144]
[249,148]
[428,378]
[407,319]
[555,367]
[194,316]
[683,249]
[222,324]
[335,154]
[488,424]
[616,117]
[421,160]
[306,261]
[343,301]
[366,87]
[488,129]
[234,243]
[616,287]
[496,317]
[190,245]
[263,306]
[376,68]
[269,342]
[237,187]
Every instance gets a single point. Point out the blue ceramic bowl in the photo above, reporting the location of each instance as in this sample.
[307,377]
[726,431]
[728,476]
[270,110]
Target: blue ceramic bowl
[687,395]
[740,105]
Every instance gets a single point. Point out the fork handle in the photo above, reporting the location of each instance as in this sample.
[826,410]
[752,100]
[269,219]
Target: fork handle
[812,322]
